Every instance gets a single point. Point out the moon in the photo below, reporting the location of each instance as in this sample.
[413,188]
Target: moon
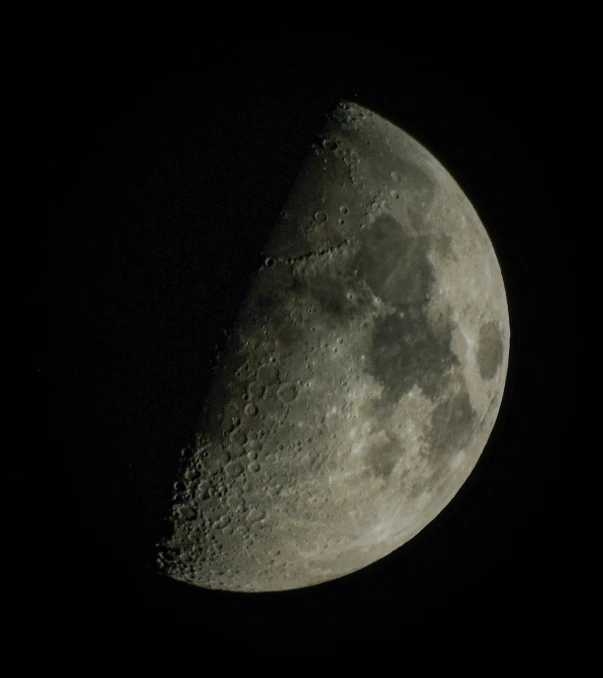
[362,380]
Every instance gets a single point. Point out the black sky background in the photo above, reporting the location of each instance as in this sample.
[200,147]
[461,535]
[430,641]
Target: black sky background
[148,171]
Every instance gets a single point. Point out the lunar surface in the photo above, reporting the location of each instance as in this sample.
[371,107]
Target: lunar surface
[362,381]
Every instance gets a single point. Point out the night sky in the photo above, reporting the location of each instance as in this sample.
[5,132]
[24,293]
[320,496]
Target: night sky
[148,171]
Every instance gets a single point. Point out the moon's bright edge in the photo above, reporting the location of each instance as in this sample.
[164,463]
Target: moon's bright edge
[364,378]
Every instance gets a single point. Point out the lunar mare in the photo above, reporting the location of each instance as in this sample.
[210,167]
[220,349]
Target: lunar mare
[363,379]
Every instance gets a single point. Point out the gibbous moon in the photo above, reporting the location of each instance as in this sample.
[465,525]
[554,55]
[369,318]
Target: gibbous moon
[363,378]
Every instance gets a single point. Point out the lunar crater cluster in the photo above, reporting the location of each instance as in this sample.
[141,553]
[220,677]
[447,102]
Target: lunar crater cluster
[363,379]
